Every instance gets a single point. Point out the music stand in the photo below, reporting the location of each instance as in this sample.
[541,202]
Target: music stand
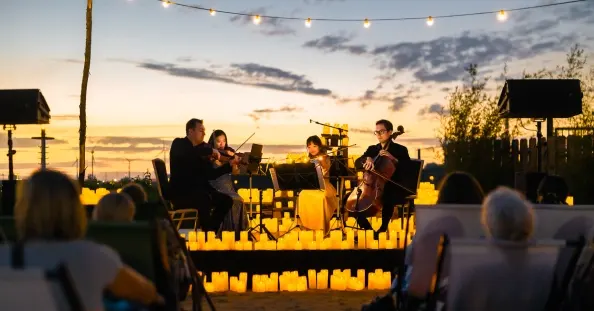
[254,159]
[297,177]
[339,170]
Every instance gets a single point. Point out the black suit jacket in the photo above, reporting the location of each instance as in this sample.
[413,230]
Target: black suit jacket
[401,154]
[190,170]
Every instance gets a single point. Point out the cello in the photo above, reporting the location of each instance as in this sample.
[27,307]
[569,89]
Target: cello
[367,197]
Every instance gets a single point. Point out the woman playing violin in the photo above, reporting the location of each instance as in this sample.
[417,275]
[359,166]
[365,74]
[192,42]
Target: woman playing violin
[314,217]
[236,219]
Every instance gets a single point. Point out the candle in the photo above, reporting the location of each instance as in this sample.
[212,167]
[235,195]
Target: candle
[361,239]
[192,236]
[382,240]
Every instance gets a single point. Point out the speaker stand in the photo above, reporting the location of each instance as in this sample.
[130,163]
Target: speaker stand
[539,144]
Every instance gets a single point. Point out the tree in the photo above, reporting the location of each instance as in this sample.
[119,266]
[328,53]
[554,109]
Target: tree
[471,112]
[83,96]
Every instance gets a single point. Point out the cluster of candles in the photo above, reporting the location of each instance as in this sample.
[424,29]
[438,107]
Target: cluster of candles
[301,240]
[291,281]
[426,194]
[91,197]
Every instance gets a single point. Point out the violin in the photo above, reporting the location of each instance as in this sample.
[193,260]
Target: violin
[226,156]
[367,197]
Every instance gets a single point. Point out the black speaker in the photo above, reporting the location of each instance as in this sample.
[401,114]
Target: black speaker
[8,197]
[541,98]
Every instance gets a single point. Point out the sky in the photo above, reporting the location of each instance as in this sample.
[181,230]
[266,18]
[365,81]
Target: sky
[153,68]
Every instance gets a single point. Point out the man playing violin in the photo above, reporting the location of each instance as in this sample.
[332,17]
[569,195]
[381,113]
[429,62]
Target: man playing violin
[392,194]
[191,170]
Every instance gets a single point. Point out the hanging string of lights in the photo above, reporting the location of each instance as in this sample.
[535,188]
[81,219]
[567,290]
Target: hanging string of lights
[501,15]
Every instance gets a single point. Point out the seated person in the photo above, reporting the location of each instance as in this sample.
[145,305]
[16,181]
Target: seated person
[236,220]
[191,166]
[175,249]
[114,207]
[454,188]
[50,218]
[507,215]
[313,216]
[553,190]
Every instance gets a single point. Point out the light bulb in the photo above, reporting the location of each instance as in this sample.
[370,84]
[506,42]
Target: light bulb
[166,4]
[366,23]
[502,16]
[212,12]
[430,21]
[257,19]
[308,22]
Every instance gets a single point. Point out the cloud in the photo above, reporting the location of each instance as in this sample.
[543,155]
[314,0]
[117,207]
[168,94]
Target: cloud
[396,100]
[443,59]
[425,141]
[361,130]
[71,60]
[20,142]
[268,26]
[65,117]
[336,43]
[432,109]
[257,114]
[50,164]
[128,144]
[184,59]
[247,74]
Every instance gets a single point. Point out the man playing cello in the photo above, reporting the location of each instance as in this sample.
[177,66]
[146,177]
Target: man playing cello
[392,194]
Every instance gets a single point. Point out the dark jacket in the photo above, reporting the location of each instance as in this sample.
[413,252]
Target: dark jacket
[401,154]
[190,168]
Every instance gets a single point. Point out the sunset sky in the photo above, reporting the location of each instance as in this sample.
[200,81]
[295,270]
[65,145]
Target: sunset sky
[153,68]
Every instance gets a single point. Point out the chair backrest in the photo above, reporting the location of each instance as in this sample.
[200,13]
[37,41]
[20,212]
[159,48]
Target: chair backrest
[550,219]
[135,242]
[411,174]
[27,289]
[34,288]
[160,169]
[424,257]
[495,275]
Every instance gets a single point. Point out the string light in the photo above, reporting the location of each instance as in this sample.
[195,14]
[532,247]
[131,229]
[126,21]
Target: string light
[257,19]
[366,23]
[502,15]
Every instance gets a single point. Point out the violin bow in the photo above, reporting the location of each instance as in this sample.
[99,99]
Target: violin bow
[245,141]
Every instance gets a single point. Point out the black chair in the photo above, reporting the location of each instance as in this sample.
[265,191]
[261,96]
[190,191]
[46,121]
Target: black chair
[181,215]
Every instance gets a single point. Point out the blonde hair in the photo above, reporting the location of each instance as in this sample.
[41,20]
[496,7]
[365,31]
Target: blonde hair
[506,215]
[49,208]
[114,207]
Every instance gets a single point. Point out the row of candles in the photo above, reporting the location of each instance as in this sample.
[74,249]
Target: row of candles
[291,281]
[299,240]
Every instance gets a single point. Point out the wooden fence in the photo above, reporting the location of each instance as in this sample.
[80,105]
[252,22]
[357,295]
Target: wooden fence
[500,162]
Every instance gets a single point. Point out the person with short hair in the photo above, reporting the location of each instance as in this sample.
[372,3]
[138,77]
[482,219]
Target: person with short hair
[507,215]
[52,223]
[392,194]
[191,167]
[114,207]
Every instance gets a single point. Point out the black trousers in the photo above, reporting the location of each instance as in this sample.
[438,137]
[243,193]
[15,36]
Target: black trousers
[389,201]
[212,207]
